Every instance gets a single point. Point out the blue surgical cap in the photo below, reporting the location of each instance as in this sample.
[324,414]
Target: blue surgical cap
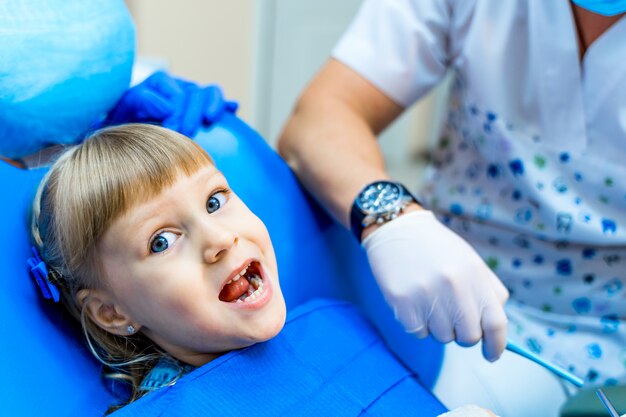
[604,7]
[63,65]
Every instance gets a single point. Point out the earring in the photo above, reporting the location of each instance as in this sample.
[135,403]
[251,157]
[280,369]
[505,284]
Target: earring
[130,329]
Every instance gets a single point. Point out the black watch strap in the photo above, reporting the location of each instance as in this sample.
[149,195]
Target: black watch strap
[357,216]
[356,221]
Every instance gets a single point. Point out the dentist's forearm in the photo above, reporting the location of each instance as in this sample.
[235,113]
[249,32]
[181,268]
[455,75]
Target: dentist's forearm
[330,142]
[333,154]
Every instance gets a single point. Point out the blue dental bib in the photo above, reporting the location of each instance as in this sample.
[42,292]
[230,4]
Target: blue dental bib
[327,361]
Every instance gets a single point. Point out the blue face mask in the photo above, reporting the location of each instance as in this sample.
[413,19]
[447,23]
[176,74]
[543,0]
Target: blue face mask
[64,64]
[604,7]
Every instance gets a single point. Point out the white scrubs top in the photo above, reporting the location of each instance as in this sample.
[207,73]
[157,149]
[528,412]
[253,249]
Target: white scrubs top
[531,167]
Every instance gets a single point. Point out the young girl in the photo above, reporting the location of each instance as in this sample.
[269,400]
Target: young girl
[163,265]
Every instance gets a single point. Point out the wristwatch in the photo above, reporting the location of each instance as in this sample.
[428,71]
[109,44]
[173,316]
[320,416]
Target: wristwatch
[378,202]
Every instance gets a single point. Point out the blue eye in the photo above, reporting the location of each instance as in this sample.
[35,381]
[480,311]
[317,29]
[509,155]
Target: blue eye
[162,242]
[216,201]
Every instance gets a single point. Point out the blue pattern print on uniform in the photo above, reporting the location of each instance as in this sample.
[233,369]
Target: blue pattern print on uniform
[610,324]
[546,219]
[609,226]
[613,287]
[594,351]
[582,305]
[494,171]
[559,185]
[534,345]
[517,167]
[564,222]
[523,215]
[564,267]
[589,253]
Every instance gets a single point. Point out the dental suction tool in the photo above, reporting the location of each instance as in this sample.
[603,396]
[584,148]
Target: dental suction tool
[568,376]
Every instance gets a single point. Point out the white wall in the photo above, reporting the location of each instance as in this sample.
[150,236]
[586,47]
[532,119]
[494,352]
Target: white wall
[263,53]
[208,41]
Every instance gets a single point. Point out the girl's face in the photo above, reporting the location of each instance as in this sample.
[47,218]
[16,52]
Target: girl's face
[194,269]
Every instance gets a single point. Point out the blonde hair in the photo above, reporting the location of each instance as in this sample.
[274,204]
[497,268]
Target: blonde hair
[86,189]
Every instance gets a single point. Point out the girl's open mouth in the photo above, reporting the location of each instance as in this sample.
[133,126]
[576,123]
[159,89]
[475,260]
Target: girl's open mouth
[244,287]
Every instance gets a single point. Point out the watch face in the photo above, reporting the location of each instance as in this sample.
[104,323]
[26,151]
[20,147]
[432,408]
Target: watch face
[379,197]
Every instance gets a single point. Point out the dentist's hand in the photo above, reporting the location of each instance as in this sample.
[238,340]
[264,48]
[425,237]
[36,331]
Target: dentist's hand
[175,103]
[436,283]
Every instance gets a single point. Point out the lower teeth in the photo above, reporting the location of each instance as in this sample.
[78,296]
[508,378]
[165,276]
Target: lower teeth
[255,289]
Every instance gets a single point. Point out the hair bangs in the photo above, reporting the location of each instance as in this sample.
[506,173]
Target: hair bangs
[113,170]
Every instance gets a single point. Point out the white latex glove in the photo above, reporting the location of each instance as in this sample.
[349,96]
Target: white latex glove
[468,411]
[435,282]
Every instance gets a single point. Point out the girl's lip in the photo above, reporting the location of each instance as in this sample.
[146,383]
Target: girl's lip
[237,271]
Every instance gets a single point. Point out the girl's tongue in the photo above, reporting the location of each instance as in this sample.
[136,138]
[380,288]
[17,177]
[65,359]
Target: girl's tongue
[234,290]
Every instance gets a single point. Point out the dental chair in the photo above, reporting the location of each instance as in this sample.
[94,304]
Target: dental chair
[47,371]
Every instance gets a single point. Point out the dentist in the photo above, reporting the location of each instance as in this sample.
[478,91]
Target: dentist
[526,196]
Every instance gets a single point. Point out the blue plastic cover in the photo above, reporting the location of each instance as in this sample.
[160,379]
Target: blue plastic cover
[604,7]
[327,361]
[64,64]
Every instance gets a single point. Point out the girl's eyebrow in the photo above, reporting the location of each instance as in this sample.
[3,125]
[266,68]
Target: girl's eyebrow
[143,218]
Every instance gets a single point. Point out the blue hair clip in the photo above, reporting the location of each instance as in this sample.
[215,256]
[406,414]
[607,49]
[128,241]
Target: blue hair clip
[39,271]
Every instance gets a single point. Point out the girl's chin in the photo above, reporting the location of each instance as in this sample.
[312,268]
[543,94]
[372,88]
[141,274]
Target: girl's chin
[274,322]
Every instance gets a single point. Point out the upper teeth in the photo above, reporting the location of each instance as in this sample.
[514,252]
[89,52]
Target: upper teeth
[241,274]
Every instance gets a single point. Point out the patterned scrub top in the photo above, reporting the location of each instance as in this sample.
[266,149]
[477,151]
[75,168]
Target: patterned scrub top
[531,165]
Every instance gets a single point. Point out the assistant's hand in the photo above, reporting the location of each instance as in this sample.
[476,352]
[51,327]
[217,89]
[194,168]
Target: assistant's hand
[174,103]
[435,282]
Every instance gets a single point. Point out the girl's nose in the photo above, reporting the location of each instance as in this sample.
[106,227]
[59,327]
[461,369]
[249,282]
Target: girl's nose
[218,241]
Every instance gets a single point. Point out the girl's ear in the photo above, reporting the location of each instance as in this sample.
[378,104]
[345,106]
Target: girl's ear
[103,311]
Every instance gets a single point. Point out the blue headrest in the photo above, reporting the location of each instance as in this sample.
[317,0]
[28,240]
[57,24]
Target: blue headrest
[47,370]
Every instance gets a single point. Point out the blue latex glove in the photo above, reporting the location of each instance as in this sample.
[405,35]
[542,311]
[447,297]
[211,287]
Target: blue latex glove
[174,103]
